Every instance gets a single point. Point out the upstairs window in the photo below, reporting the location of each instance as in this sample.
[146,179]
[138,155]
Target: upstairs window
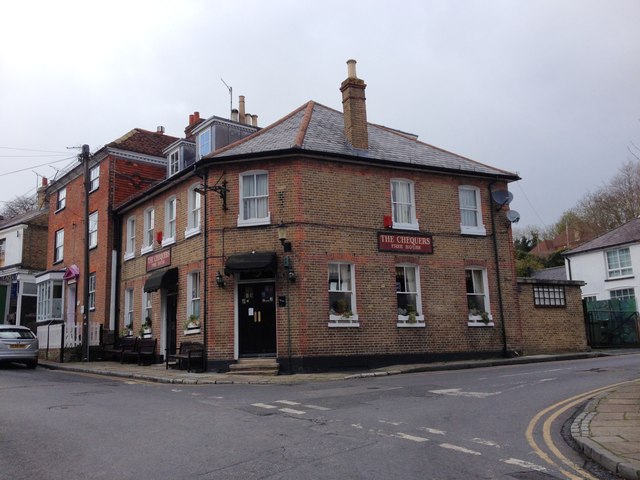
[619,263]
[94,178]
[470,211]
[169,221]
[3,248]
[194,208]
[254,200]
[403,209]
[342,300]
[61,201]
[174,162]
[204,143]
[478,297]
[130,248]
[93,230]
[58,248]
[149,226]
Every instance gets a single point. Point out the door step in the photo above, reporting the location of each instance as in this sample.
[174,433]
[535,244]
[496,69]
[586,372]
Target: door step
[255,366]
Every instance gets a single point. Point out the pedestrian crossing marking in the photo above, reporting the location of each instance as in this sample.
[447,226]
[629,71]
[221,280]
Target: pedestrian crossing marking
[263,405]
[287,402]
[291,410]
[413,438]
[316,407]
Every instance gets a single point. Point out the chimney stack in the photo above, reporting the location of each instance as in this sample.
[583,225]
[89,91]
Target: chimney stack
[355,108]
[41,195]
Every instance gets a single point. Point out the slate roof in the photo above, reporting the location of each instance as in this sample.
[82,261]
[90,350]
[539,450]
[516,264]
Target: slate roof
[554,273]
[143,141]
[627,233]
[315,128]
[23,218]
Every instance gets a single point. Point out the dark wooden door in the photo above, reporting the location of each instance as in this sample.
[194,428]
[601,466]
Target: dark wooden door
[256,319]
[172,311]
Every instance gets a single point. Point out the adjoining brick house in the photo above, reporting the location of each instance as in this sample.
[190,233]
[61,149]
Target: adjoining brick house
[23,254]
[120,169]
[329,241]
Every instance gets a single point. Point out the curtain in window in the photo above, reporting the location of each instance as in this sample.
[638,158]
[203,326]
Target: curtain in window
[406,289]
[401,199]
[255,194]
[468,208]
[475,290]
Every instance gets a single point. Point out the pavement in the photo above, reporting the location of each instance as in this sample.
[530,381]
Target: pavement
[607,430]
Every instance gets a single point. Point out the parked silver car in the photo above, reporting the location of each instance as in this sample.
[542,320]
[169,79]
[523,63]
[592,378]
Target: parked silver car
[18,344]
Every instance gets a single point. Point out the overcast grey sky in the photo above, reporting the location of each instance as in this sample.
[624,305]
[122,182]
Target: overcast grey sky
[549,89]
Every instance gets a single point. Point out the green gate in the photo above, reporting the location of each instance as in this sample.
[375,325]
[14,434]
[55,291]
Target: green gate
[612,323]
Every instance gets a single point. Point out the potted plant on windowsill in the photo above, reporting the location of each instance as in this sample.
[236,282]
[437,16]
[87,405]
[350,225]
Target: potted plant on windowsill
[478,315]
[127,330]
[192,325]
[145,329]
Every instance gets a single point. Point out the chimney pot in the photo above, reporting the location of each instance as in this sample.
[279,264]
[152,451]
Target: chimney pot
[190,119]
[234,115]
[196,116]
[351,68]
[254,120]
[241,106]
[160,129]
[45,181]
[354,107]
[247,119]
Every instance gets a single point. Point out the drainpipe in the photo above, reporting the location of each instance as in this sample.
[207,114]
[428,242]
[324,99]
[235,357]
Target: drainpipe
[205,226]
[497,259]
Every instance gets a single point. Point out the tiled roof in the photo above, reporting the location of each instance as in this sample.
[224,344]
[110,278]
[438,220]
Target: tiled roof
[316,128]
[627,233]
[143,141]
[555,273]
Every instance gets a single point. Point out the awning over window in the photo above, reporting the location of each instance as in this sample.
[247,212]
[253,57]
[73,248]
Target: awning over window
[72,272]
[165,278]
[251,262]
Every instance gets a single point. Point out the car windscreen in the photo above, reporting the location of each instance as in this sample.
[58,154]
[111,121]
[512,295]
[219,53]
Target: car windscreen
[16,333]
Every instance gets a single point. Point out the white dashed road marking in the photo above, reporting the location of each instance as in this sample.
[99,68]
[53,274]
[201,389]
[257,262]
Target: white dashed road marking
[457,392]
[395,424]
[433,430]
[488,443]
[522,463]
[263,405]
[413,438]
[316,407]
[459,449]
[287,402]
[291,410]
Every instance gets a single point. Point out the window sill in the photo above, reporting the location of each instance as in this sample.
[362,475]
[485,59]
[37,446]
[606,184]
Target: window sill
[476,321]
[55,262]
[147,249]
[93,190]
[191,232]
[168,241]
[403,321]
[406,226]
[340,321]
[59,210]
[474,231]
[253,222]
[192,331]
[129,256]
[480,324]
[615,279]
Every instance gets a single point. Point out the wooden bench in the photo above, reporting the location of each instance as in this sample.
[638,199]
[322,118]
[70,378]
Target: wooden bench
[145,349]
[119,347]
[187,353]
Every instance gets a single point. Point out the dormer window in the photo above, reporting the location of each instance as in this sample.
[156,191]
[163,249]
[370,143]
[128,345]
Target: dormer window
[204,143]
[174,162]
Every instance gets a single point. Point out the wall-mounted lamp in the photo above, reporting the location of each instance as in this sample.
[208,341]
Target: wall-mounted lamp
[282,236]
[219,280]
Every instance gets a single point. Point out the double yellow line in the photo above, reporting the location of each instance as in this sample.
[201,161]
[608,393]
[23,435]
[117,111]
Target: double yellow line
[570,469]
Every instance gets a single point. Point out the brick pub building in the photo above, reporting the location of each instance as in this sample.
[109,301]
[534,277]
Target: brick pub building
[323,241]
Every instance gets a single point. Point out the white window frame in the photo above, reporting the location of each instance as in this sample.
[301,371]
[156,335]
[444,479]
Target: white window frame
[201,135]
[629,293]
[194,212]
[128,307]
[92,291]
[246,222]
[48,306]
[149,230]
[147,307]
[170,221]
[618,271]
[548,295]
[478,229]
[404,319]
[412,224]
[130,249]
[475,320]
[58,246]
[94,178]
[173,164]
[61,201]
[342,320]
[194,286]
[93,229]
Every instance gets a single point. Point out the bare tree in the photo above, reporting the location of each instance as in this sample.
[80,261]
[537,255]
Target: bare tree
[18,206]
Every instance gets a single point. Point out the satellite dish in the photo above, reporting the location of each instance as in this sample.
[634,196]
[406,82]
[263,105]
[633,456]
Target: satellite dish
[513,216]
[501,197]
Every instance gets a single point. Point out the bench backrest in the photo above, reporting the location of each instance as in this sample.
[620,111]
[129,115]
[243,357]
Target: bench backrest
[147,345]
[186,347]
[128,343]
